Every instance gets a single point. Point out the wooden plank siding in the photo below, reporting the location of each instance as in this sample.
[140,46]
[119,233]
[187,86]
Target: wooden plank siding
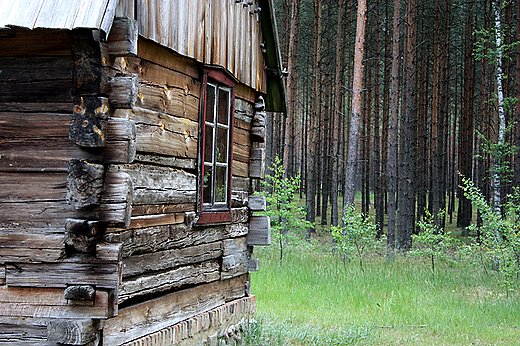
[210,32]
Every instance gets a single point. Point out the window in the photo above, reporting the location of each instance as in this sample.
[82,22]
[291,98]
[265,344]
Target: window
[216,147]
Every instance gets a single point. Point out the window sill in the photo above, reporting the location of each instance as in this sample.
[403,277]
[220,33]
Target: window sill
[214,217]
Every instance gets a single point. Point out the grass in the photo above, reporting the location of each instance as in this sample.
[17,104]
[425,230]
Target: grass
[314,298]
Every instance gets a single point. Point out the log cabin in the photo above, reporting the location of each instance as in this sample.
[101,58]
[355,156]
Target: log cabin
[132,135]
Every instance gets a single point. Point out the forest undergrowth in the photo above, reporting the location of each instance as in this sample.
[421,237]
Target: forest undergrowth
[315,297]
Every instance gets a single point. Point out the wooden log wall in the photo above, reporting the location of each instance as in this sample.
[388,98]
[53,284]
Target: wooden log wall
[105,217]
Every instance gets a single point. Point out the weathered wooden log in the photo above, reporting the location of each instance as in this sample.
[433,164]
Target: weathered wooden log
[235,258]
[103,275]
[82,242]
[84,184]
[260,104]
[2,273]
[27,247]
[153,209]
[259,231]
[167,161]
[258,134]
[239,199]
[172,258]
[72,332]
[259,119]
[257,203]
[80,226]
[159,238]
[122,40]
[241,184]
[257,163]
[109,252]
[164,281]
[166,310]
[116,201]
[239,215]
[80,293]
[159,185]
[123,90]
[88,127]
[254,265]
[90,57]
[45,302]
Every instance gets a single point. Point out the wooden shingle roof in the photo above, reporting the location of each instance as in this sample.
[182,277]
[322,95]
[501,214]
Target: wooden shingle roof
[58,14]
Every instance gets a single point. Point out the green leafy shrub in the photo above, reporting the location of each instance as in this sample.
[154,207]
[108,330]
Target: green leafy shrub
[287,216]
[500,233]
[356,237]
[432,242]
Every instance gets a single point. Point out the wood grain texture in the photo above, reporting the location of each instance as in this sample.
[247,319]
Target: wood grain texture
[32,187]
[48,303]
[259,231]
[159,185]
[123,91]
[88,126]
[144,318]
[30,248]
[84,183]
[257,163]
[36,43]
[162,133]
[235,258]
[123,36]
[171,258]
[257,203]
[76,332]
[193,274]
[103,275]
[36,79]
[151,209]
[152,239]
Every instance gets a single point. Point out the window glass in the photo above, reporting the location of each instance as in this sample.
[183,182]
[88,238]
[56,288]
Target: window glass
[221,184]
[223,106]
[207,184]
[216,162]
[210,103]
[221,152]
[208,143]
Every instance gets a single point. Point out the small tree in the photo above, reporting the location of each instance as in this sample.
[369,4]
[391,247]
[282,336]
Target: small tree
[357,236]
[500,233]
[432,242]
[287,217]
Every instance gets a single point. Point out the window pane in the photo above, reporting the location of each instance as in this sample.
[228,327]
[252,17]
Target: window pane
[208,144]
[208,184]
[210,103]
[223,106]
[221,154]
[221,185]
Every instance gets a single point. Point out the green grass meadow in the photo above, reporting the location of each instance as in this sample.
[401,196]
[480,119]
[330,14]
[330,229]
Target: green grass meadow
[314,298]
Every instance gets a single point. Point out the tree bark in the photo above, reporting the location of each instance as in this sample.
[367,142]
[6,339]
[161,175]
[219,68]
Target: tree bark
[357,84]
[466,122]
[337,115]
[392,148]
[406,197]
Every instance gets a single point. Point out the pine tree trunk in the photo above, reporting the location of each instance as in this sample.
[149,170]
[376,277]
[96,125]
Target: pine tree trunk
[357,84]
[313,120]
[466,122]
[337,115]
[406,198]
[392,148]
[291,84]
[378,195]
